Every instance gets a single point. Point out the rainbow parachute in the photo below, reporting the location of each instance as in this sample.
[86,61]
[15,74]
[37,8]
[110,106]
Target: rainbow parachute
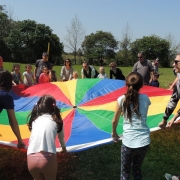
[87,108]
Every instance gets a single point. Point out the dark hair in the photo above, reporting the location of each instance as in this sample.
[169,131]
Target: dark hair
[134,82]
[27,66]
[156,75]
[66,61]
[46,105]
[85,62]
[5,80]
[14,65]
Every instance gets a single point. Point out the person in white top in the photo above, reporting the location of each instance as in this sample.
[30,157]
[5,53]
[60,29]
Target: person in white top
[28,76]
[45,123]
[136,136]
[102,74]
[66,71]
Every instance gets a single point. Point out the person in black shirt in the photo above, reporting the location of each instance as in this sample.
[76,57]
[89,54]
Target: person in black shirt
[116,72]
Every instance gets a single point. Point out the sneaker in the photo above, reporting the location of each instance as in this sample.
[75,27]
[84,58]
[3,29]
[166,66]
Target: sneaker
[168,176]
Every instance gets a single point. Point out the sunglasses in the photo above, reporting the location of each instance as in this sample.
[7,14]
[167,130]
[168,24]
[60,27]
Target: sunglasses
[140,57]
[176,61]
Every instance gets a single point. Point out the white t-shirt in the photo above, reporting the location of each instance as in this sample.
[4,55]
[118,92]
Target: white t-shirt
[28,80]
[136,134]
[43,135]
[102,76]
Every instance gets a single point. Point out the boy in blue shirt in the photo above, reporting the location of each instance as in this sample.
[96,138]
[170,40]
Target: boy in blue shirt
[154,81]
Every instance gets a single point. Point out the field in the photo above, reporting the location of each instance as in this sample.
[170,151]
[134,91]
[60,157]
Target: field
[103,162]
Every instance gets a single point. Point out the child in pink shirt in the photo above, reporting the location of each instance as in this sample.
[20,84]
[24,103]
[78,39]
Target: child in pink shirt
[44,77]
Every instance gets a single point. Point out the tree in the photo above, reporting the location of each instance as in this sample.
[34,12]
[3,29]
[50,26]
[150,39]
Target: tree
[28,40]
[124,52]
[174,46]
[154,47]
[6,26]
[99,45]
[75,35]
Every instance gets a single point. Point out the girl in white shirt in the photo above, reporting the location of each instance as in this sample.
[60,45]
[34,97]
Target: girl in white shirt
[44,123]
[136,134]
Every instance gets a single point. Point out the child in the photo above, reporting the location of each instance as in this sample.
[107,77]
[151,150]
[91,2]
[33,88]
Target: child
[28,76]
[102,73]
[6,102]
[136,136]
[44,123]
[53,75]
[75,75]
[16,75]
[44,77]
[154,81]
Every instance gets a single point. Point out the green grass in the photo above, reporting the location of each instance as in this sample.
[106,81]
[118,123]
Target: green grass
[103,162]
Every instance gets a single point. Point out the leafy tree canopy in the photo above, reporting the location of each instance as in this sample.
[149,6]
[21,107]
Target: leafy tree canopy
[154,47]
[28,40]
[99,45]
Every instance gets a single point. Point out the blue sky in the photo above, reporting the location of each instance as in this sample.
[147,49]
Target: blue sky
[144,17]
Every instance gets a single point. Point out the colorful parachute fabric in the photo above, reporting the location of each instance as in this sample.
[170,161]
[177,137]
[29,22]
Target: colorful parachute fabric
[87,108]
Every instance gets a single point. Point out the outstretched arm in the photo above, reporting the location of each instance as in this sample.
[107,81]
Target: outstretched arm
[115,122]
[15,128]
[173,84]
[170,108]
[61,140]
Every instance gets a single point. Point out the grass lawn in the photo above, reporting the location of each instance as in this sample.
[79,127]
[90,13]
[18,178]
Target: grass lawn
[103,162]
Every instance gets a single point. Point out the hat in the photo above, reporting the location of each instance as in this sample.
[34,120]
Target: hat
[44,54]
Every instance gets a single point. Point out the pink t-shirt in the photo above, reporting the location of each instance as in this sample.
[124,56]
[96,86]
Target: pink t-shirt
[43,78]
[1,62]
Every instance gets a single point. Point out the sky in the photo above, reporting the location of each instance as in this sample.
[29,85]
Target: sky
[143,17]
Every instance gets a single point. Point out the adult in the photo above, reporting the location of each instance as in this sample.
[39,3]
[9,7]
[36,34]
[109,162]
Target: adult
[156,65]
[6,102]
[88,71]
[116,72]
[144,67]
[66,71]
[1,63]
[175,95]
[172,105]
[40,64]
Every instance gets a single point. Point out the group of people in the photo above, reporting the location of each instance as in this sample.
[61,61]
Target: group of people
[45,118]
[43,71]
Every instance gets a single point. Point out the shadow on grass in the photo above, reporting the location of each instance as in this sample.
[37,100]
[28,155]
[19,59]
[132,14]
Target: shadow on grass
[102,162]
